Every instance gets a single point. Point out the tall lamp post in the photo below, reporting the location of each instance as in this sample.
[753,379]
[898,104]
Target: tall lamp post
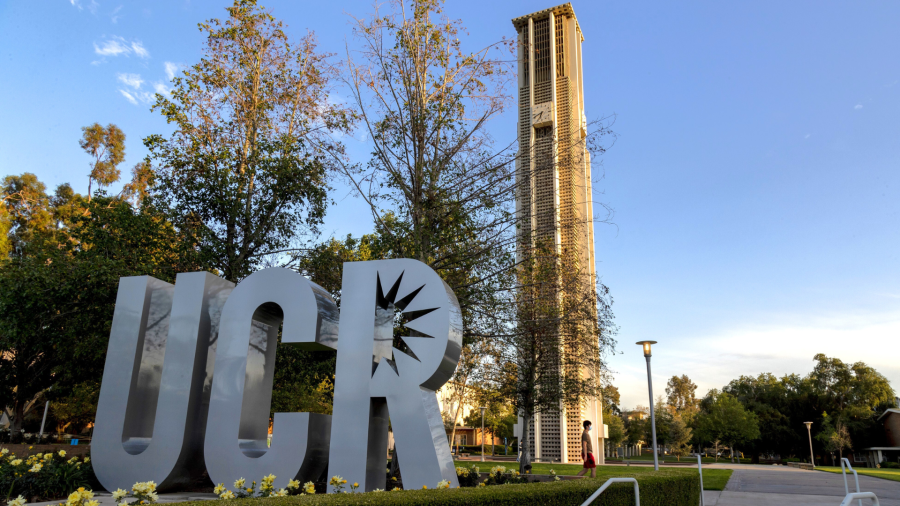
[482,408]
[812,459]
[646,345]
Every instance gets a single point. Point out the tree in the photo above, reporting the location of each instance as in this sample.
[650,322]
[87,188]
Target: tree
[245,170]
[106,145]
[26,216]
[78,408]
[611,400]
[551,339]
[437,188]
[724,418]
[773,404]
[680,396]
[679,437]
[617,432]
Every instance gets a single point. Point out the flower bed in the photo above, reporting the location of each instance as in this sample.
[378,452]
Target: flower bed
[42,476]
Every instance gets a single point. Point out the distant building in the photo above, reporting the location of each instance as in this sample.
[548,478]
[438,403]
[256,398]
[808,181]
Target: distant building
[634,415]
[890,451]
[447,402]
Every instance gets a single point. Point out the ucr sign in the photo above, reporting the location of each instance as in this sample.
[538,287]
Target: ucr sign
[189,370]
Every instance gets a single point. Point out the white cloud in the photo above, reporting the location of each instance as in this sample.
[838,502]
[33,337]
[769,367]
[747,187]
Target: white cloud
[807,136]
[162,89]
[713,360]
[76,3]
[858,106]
[171,69]
[132,80]
[112,47]
[128,96]
[114,16]
[116,46]
[139,50]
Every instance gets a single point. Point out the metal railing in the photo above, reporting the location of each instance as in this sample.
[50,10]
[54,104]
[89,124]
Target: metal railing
[700,470]
[860,495]
[637,495]
[856,476]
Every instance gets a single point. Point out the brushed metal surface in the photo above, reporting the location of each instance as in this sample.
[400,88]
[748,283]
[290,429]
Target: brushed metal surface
[151,411]
[372,381]
[237,430]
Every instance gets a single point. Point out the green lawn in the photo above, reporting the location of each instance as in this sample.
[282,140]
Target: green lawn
[887,474]
[713,479]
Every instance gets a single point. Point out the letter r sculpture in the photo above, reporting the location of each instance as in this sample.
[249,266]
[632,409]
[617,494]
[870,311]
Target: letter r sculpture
[381,373]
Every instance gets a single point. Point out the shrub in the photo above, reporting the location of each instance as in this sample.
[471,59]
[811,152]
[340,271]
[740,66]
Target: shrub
[43,475]
[890,465]
[663,488]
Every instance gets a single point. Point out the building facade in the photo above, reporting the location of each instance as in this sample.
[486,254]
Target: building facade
[553,200]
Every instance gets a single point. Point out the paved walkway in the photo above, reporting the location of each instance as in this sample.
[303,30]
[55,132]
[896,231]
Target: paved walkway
[753,485]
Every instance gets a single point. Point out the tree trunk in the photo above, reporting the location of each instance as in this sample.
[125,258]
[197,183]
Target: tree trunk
[524,443]
[18,418]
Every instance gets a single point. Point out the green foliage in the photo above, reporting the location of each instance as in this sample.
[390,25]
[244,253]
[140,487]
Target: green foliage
[679,437]
[617,433]
[77,408]
[245,169]
[26,216]
[681,397]
[663,488]
[724,418]
[58,289]
[852,396]
[42,477]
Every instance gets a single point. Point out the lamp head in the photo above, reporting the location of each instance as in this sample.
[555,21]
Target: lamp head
[646,345]
[808,425]
[482,408]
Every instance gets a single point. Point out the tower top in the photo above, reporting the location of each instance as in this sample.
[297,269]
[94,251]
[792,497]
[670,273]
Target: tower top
[563,9]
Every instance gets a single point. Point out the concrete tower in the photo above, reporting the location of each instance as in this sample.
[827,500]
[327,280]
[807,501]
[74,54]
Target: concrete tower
[553,173]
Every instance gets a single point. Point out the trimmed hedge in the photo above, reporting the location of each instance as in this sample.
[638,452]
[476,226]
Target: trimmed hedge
[664,488]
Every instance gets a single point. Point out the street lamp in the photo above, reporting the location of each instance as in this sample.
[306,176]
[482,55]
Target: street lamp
[646,345]
[482,408]
[812,459]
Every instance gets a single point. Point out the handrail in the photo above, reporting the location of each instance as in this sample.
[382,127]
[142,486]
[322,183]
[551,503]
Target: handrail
[860,495]
[855,475]
[700,470]
[637,495]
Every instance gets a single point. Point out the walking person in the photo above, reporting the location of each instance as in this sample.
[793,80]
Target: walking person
[587,451]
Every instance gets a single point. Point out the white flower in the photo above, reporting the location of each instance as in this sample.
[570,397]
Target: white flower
[62,453]
[36,468]
[219,489]
[240,483]
[293,484]
[119,494]
[228,494]
[18,501]
[443,484]
[4,451]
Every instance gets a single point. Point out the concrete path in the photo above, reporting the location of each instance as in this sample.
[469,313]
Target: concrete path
[780,485]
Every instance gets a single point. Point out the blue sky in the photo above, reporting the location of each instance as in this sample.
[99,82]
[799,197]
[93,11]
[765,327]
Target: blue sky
[754,180]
